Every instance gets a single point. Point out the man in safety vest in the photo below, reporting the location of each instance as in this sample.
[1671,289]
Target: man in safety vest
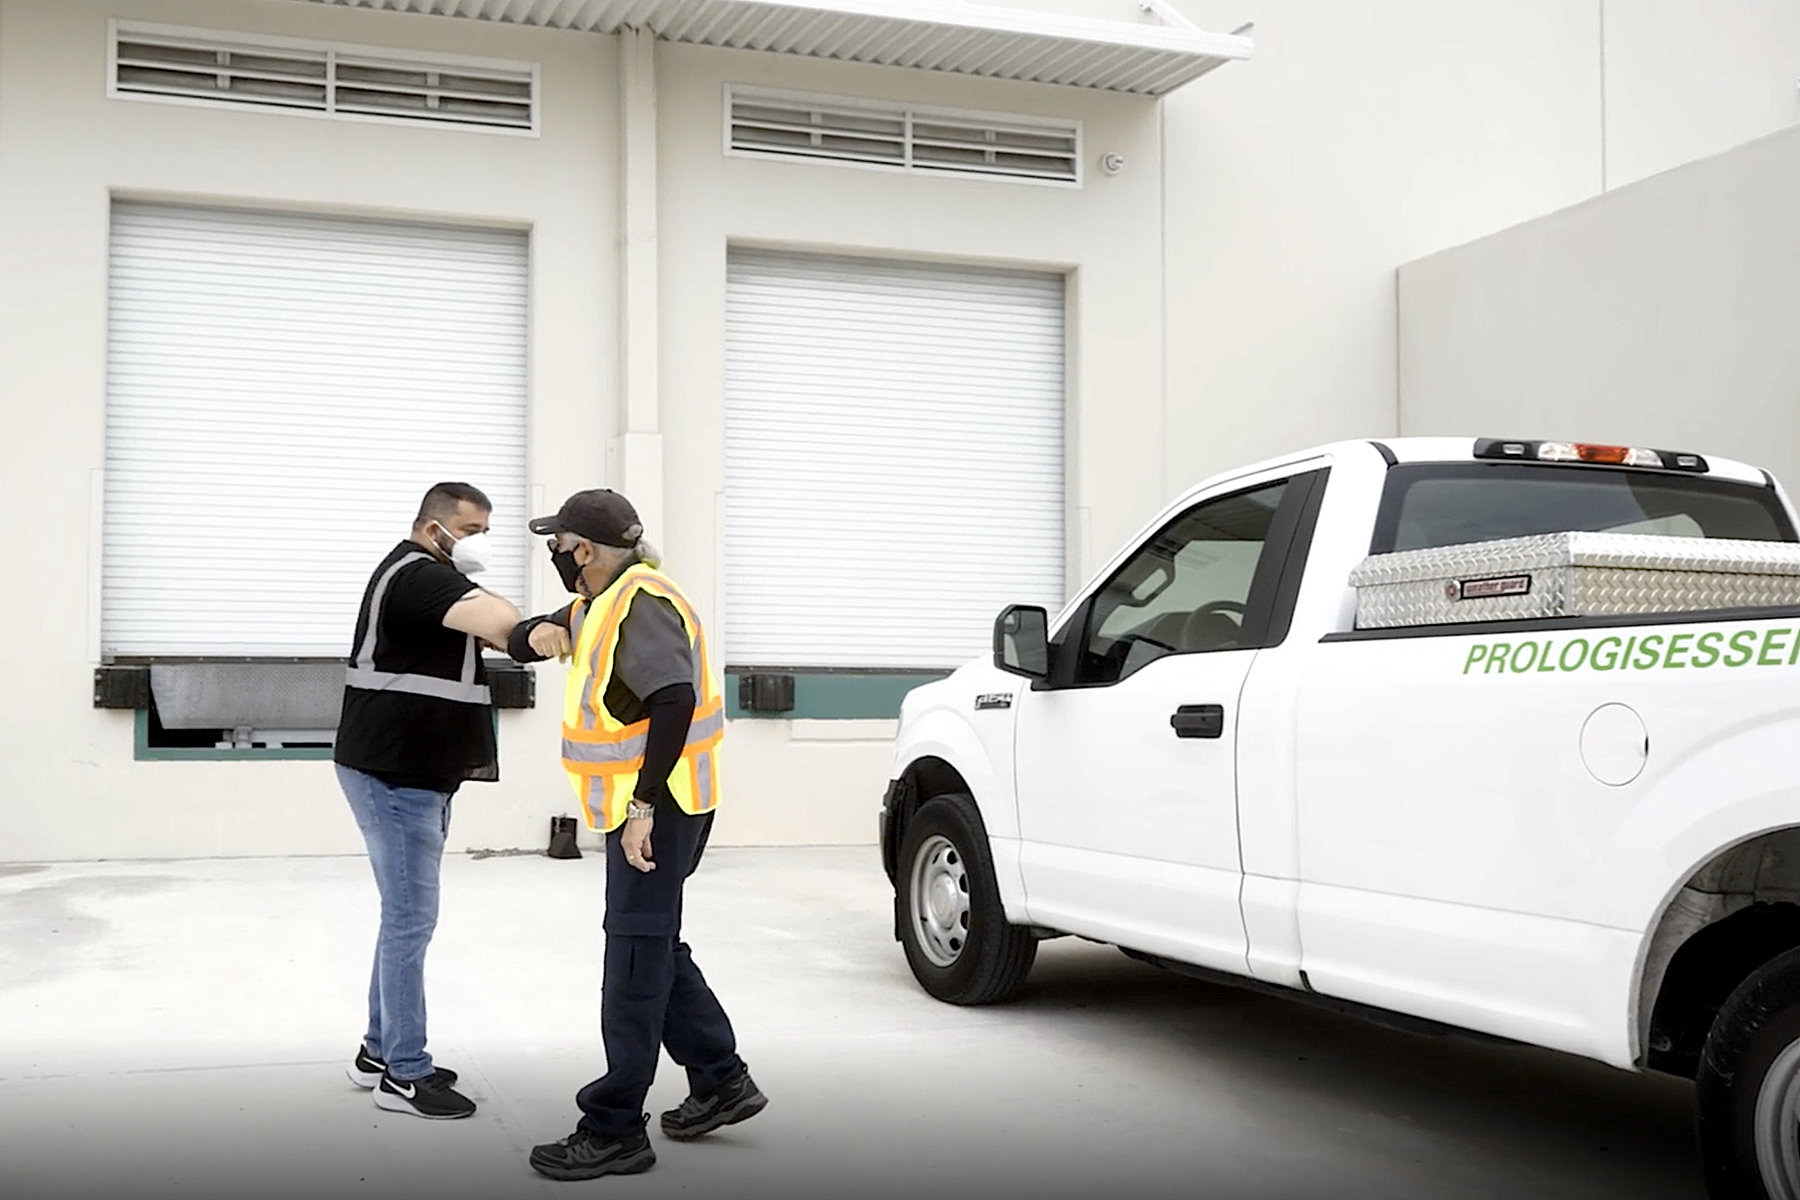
[642,720]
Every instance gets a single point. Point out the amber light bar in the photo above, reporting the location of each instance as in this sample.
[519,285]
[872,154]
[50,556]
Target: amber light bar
[1590,453]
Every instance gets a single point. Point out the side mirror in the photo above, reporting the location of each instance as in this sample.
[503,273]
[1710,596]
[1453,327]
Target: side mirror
[1022,641]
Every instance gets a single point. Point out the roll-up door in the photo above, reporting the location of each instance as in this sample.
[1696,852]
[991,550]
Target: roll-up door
[894,458]
[281,391]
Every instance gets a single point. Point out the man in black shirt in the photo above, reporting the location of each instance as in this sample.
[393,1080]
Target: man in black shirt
[418,720]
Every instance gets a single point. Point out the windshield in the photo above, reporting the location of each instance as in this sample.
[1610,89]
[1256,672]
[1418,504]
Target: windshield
[1429,505]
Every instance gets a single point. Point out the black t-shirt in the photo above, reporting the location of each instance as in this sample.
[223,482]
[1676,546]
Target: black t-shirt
[402,738]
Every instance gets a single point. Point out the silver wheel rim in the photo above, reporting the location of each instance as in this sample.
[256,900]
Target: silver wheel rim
[1778,1126]
[940,901]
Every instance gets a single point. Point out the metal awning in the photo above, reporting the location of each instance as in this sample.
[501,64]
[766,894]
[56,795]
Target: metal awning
[929,35]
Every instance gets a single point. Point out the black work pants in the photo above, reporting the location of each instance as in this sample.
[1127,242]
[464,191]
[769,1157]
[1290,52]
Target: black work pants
[652,995]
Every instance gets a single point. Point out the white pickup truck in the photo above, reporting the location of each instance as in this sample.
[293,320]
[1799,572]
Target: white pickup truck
[1578,829]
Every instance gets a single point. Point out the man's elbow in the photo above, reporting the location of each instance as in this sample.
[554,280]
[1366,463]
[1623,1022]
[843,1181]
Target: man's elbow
[488,617]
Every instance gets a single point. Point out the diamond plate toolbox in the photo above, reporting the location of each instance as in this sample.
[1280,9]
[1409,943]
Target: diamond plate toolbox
[1572,574]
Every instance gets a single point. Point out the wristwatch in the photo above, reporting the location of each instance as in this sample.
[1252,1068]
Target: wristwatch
[639,812]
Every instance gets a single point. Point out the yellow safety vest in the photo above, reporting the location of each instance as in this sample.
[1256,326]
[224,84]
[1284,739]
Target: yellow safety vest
[602,755]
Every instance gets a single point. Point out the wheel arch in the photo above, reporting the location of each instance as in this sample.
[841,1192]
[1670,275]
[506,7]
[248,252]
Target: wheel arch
[1732,913]
[932,768]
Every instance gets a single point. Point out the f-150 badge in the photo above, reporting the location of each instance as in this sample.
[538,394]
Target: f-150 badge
[993,700]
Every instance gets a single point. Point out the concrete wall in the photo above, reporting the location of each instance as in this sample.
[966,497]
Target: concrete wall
[1689,78]
[1366,133]
[1663,313]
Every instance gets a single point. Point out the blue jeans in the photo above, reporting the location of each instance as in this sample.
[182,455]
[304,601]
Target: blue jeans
[404,829]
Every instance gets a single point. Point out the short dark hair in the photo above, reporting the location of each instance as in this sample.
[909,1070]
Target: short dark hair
[440,502]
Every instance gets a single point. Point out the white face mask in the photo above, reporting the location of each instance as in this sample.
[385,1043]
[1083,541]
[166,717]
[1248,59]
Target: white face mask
[472,555]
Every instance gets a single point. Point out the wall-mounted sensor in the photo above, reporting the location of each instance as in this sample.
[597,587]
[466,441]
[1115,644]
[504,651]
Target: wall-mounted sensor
[1112,164]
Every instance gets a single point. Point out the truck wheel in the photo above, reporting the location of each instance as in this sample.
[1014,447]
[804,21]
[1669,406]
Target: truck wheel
[957,941]
[1747,1091]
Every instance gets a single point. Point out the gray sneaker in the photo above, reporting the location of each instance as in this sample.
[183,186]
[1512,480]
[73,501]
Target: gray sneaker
[587,1155]
[737,1099]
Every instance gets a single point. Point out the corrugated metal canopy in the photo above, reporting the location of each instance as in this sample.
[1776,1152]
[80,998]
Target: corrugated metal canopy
[929,35]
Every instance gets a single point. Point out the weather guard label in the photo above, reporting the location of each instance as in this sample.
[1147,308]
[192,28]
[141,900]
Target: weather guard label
[1698,650]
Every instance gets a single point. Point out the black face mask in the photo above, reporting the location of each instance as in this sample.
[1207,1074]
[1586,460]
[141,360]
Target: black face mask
[568,568]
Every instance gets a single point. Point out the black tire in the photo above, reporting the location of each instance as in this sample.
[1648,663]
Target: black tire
[991,961]
[1753,1047]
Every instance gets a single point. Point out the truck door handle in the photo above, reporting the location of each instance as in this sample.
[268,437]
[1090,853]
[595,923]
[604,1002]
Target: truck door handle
[1199,721]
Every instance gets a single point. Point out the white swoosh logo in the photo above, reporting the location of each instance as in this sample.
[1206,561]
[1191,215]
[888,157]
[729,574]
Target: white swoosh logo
[403,1089]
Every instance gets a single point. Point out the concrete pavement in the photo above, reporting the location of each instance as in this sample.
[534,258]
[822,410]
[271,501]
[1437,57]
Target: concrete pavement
[180,1029]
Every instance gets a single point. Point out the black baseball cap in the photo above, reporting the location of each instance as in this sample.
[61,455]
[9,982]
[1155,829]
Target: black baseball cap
[599,515]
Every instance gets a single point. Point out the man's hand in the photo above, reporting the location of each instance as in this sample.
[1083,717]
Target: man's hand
[551,640]
[635,841]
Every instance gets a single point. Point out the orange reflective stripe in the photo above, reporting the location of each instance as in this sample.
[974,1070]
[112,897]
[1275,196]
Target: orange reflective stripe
[600,770]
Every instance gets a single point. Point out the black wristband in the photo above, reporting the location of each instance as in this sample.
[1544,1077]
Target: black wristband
[518,642]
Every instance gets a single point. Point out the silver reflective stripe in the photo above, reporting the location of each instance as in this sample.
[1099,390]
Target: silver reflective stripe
[605,752]
[576,620]
[703,769]
[365,654]
[372,680]
[706,727]
[364,675]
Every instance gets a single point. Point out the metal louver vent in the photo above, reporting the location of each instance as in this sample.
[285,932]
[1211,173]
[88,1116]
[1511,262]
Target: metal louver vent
[910,139]
[163,63]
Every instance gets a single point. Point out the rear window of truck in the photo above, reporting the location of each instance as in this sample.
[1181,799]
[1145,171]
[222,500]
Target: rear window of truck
[1448,504]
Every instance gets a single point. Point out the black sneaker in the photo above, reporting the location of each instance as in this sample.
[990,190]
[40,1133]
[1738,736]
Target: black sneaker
[366,1070]
[431,1097]
[586,1155]
[737,1099]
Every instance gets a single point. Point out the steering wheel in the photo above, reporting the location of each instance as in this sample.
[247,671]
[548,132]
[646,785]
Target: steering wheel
[1200,632]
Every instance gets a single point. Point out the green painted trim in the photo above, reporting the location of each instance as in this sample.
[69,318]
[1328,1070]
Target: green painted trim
[143,751]
[835,695]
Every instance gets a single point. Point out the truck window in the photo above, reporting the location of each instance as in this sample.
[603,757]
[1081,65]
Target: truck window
[1187,590]
[1435,504]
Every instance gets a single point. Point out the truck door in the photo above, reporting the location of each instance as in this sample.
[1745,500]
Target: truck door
[1126,761]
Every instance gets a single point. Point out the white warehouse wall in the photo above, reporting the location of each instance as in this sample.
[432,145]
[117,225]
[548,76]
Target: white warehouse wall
[65,150]
[71,787]
[1232,292]
[1662,313]
[813,781]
